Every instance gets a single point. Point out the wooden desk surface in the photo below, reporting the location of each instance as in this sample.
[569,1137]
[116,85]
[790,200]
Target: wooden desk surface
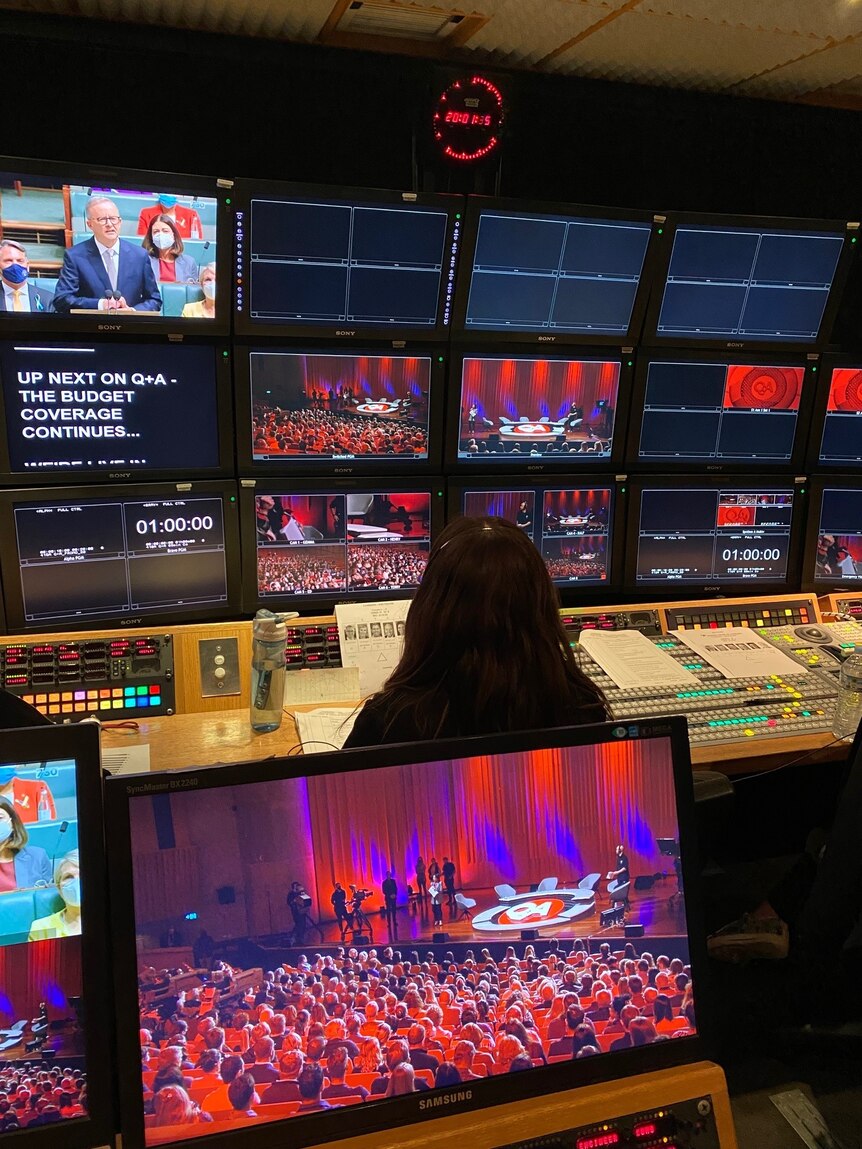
[185,740]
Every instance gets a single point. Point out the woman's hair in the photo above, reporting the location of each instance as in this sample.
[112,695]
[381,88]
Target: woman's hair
[484,648]
[401,1080]
[446,1074]
[149,245]
[65,867]
[19,838]
[173,1106]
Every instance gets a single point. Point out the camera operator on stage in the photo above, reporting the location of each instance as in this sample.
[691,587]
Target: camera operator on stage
[299,902]
[390,899]
[339,904]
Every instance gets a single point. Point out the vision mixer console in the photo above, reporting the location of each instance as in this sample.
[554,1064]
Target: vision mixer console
[821,645]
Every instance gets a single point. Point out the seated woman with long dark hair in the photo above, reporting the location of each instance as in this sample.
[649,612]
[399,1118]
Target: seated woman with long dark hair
[484,648]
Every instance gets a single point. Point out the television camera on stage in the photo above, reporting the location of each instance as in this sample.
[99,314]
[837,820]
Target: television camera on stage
[299,902]
[359,923]
[669,848]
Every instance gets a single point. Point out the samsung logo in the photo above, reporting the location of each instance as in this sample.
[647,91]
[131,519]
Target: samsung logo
[446,1099]
[110,326]
[345,332]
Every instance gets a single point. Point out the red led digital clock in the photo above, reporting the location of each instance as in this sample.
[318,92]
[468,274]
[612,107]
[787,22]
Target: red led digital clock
[468,118]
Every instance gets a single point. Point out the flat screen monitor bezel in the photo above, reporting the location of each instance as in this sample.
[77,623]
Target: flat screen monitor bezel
[223,395]
[284,484]
[813,461]
[396,1113]
[664,589]
[651,336]
[245,190]
[115,322]
[714,466]
[81,742]
[819,483]
[571,594]
[529,465]
[9,568]
[544,337]
[360,465]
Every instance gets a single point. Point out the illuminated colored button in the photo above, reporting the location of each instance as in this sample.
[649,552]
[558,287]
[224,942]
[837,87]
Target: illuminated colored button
[131,703]
[80,695]
[104,705]
[104,694]
[788,610]
[53,697]
[155,701]
[66,708]
[117,692]
[750,733]
[759,622]
[118,704]
[143,690]
[79,707]
[766,614]
[53,709]
[92,694]
[129,690]
[41,698]
[155,690]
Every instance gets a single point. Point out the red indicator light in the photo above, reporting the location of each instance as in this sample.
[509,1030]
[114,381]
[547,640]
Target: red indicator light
[599,1141]
[646,1129]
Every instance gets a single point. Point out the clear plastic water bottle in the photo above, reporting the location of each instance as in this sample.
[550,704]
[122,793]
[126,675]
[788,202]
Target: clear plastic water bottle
[43,808]
[267,671]
[848,708]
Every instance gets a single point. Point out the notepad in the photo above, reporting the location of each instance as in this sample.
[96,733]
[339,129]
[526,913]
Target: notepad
[326,728]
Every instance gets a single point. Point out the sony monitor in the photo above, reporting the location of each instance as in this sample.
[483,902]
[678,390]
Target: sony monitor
[345,263]
[536,413]
[552,273]
[307,543]
[119,555]
[55,996]
[714,534]
[111,250]
[833,544]
[526,830]
[836,427]
[720,412]
[348,411]
[742,282]
[571,523]
[97,409]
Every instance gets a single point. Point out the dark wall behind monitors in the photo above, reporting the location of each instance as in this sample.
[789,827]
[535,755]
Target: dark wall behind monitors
[555,803]
[713,533]
[312,410]
[720,411]
[572,523]
[54,983]
[98,409]
[523,412]
[86,246]
[833,544]
[85,556]
[748,282]
[836,428]
[311,543]
[344,263]
[553,272]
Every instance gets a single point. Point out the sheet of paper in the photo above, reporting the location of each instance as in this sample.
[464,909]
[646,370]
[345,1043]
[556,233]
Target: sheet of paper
[324,729]
[371,636]
[737,652]
[125,759]
[630,659]
[329,684]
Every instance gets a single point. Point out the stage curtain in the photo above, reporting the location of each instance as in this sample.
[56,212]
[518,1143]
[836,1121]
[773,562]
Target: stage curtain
[47,971]
[165,878]
[537,388]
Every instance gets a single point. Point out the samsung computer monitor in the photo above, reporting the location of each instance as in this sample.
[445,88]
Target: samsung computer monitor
[127,555]
[86,410]
[526,826]
[746,282]
[552,273]
[92,249]
[720,412]
[322,409]
[836,427]
[55,993]
[572,523]
[310,543]
[344,263]
[833,543]
[532,413]
[714,535]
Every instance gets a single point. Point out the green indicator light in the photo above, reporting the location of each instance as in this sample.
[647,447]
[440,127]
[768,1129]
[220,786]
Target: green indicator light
[661,231]
[457,215]
[439,358]
[853,240]
[224,353]
[813,368]
[631,362]
[439,494]
[622,490]
[227,200]
[233,498]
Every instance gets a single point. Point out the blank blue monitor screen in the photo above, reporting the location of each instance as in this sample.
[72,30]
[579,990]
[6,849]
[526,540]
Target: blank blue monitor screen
[748,283]
[535,273]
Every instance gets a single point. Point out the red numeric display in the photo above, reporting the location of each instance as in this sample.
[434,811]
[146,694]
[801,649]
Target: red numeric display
[599,1141]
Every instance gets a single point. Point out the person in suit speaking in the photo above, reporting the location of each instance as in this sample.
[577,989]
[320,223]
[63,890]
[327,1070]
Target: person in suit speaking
[105,264]
[17,294]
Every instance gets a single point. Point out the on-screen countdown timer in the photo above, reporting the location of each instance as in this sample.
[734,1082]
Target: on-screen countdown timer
[468,118]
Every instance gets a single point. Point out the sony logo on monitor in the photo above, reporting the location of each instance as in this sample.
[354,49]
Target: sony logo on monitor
[345,332]
[131,622]
[120,475]
[343,470]
[547,339]
[716,588]
[734,345]
[446,1099]
[110,326]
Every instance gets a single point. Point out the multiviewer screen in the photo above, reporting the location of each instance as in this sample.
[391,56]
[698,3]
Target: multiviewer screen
[721,411]
[102,407]
[571,527]
[842,429]
[732,534]
[338,406]
[325,262]
[839,540]
[103,558]
[526,408]
[534,272]
[748,283]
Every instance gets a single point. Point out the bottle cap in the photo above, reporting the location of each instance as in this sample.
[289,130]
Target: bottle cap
[269,627]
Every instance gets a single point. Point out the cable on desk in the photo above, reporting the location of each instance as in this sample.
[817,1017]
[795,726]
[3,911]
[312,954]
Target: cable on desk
[792,762]
[294,750]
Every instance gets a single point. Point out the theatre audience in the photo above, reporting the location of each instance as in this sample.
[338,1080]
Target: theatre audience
[316,431]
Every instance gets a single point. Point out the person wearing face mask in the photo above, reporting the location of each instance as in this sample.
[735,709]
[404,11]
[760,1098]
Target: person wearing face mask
[186,219]
[64,923]
[205,308]
[21,866]
[17,293]
[163,244]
